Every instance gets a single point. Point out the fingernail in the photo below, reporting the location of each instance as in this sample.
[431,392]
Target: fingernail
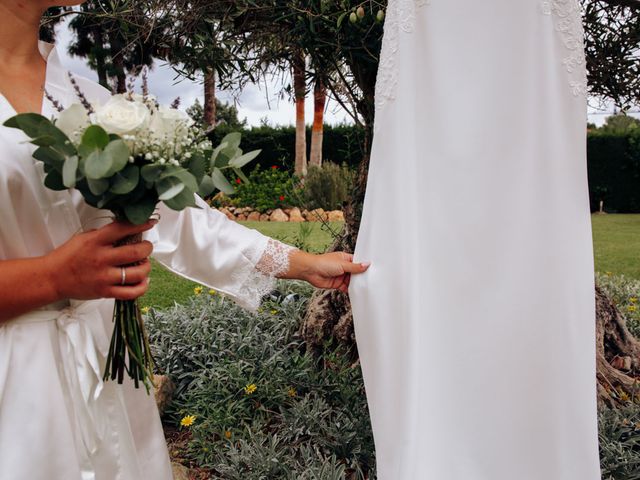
[154,221]
[366,264]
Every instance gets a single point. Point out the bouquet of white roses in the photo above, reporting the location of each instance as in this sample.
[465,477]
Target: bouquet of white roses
[126,156]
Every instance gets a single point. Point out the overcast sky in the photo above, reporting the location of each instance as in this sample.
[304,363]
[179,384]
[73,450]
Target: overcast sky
[254,103]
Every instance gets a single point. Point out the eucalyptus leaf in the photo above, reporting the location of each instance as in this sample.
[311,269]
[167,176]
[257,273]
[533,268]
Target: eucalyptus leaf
[221,182]
[207,187]
[181,201]
[97,166]
[233,140]
[53,180]
[125,181]
[151,172]
[98,186]
[198,166]
[49,157]
[94,138]
[118,154]
[139,212]
[169,187]
[44,141]
[242,160]
[242,176]
[70,171]
[181,174]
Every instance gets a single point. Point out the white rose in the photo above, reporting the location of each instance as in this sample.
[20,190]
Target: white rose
[73,121]
[122,116]
[170,125]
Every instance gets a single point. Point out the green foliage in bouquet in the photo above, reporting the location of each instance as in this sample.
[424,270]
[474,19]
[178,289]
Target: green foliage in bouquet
[102,168]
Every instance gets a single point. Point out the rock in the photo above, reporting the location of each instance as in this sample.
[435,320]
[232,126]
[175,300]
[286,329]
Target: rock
[287,211]
[254,216]
[180,472]
[278,216]
[336,216]
[241,218]
[317,215]
[231,209]
[264,217]
[164,389]
[305,214]
[295,215]
[229,215]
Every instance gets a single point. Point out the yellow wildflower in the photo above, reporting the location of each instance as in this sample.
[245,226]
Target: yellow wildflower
[624,397]
[273,312]
[609,274]
[227,434]
[292,392]
[188,420]
[249,389]
[633,299]
[144,310]
[212,292]
[197,290]
[632,308]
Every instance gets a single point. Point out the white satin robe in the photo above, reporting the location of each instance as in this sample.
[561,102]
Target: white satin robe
[58,420]
[476,321]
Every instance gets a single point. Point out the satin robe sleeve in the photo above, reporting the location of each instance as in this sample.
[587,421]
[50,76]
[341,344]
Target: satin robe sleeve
[203,245]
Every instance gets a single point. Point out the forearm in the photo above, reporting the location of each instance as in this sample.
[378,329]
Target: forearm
[25,285]
[300,265]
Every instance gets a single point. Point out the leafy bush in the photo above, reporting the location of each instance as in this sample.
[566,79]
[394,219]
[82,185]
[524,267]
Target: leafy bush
[620,443]
[304,420]
[328,186]
[264,407]
[267,189]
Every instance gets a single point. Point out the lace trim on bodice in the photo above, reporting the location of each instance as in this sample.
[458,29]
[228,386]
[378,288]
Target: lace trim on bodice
[401,15]
[271,261]
[567,17]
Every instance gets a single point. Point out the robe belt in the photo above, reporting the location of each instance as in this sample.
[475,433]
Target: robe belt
[79,353]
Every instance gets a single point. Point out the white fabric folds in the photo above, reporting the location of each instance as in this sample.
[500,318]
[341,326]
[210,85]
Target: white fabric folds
[476,321]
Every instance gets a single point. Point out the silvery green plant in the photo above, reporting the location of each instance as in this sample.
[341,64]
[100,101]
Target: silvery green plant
[126,156]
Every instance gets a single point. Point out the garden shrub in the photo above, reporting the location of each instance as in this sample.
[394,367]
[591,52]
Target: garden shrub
[267,189]
[264,407]
[328,186]
[620,443]
[303,419]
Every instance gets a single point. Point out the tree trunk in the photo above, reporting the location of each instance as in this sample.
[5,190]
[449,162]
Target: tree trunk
[117,57]
[300,92]
[618,355]
[210,98]
[317,132]
[101,67]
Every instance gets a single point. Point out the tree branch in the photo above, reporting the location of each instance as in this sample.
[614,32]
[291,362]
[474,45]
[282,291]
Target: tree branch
[624,3]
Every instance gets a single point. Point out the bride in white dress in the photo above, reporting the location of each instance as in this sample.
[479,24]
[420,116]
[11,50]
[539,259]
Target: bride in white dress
[476,322]
[58,420]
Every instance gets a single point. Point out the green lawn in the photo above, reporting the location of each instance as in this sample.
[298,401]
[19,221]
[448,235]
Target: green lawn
[616,243]
[616,240]
[167,288]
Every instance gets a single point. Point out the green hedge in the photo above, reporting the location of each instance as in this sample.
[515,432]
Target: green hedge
[613,159]
[342,144]
[614,171]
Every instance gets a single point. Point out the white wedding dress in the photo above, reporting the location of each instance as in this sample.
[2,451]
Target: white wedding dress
[476,321]
[58,420]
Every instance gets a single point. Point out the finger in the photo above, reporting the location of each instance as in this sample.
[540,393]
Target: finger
[129,292]
[133,275]
[355,268]
[128,254]
[115,231]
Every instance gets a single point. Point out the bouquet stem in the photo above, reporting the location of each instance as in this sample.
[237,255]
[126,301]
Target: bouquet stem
[129,349]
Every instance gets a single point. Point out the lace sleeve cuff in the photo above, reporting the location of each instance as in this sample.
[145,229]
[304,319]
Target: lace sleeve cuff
[270,261]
